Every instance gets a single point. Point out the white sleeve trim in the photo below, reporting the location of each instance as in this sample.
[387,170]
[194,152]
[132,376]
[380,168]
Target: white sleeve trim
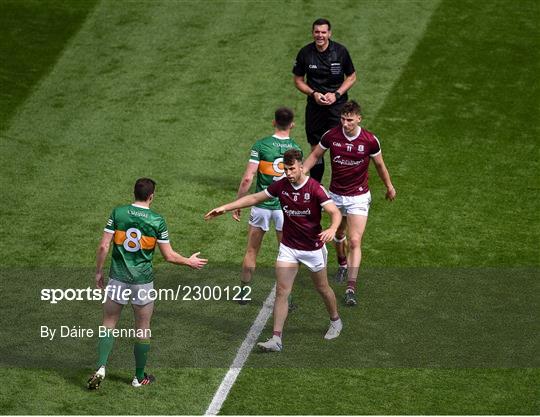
[380,149]
[162,241]
[253,161]
[322,146]
[324,203]
[109,231]
[268,193]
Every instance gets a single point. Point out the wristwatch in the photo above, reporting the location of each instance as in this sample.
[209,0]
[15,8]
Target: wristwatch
[337,95]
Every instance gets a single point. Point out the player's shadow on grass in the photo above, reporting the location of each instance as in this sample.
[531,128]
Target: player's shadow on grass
[79,377]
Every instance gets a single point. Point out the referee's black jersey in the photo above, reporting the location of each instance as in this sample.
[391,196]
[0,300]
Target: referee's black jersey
[325,70]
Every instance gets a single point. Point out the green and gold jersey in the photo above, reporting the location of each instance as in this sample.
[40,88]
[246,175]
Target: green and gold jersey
[136,231]
[268,154]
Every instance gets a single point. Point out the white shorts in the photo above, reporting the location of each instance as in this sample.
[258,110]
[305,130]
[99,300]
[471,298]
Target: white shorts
[261,218]
[122,293]
[315,260]
[358,204]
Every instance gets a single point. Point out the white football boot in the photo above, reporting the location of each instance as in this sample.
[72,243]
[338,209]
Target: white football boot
[271,345]
[334,330]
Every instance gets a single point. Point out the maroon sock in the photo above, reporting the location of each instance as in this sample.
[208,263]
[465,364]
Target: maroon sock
[334,318]
[342,260]
[351,285]
[276,333]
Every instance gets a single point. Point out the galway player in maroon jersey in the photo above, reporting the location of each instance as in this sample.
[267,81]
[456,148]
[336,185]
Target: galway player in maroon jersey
[302,200]
[351,149]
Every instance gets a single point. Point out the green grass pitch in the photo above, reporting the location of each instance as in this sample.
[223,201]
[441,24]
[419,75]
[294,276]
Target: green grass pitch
[95,94]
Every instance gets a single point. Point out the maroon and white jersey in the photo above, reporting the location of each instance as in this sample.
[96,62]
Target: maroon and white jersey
[302,207]
[350,159]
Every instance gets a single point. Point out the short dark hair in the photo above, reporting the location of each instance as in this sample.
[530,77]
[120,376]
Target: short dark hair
[351,107]
[144,187]
[291,156]
[283,117]
[320,22]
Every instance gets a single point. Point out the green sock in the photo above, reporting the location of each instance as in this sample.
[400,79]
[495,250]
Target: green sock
[141,352]
[105,345]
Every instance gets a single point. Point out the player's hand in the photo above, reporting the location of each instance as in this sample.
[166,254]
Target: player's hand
[214,213]
[195,262]
[236,213]
[330,98]
[391,194]
[327,235]
[100,282]
[320,99]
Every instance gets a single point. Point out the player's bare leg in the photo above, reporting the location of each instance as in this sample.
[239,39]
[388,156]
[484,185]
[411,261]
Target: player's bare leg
[340,243]
[143,316]
[285,274]
[356,226]
[111,315]
[255,238]
[292,306]
[320,279]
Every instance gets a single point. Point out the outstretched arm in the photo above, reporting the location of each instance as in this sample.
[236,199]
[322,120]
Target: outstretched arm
[385,176]
[335,220]
[175,258]
[101,256]
[316,154]
[246,201]
[245,184]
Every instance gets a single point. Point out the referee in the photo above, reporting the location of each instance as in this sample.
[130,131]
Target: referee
[323,71]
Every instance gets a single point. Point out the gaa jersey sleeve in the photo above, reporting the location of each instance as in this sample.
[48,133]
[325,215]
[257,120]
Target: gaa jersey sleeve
[163,232]
[272,190]
[255,154]
[110,226]
[375,147]
[322,196]
[299,67]
[348,66]
[325,141]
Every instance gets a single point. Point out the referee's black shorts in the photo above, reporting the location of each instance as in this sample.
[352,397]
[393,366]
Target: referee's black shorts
[320,119]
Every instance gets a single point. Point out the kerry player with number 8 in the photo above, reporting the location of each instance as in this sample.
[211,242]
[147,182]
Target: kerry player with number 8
[134,230]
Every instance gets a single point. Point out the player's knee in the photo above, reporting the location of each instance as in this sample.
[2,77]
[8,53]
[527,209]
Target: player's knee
[282,290]
[355,242]
[322,288]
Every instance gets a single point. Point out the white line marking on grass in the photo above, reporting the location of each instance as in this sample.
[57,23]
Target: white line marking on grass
[241,356]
